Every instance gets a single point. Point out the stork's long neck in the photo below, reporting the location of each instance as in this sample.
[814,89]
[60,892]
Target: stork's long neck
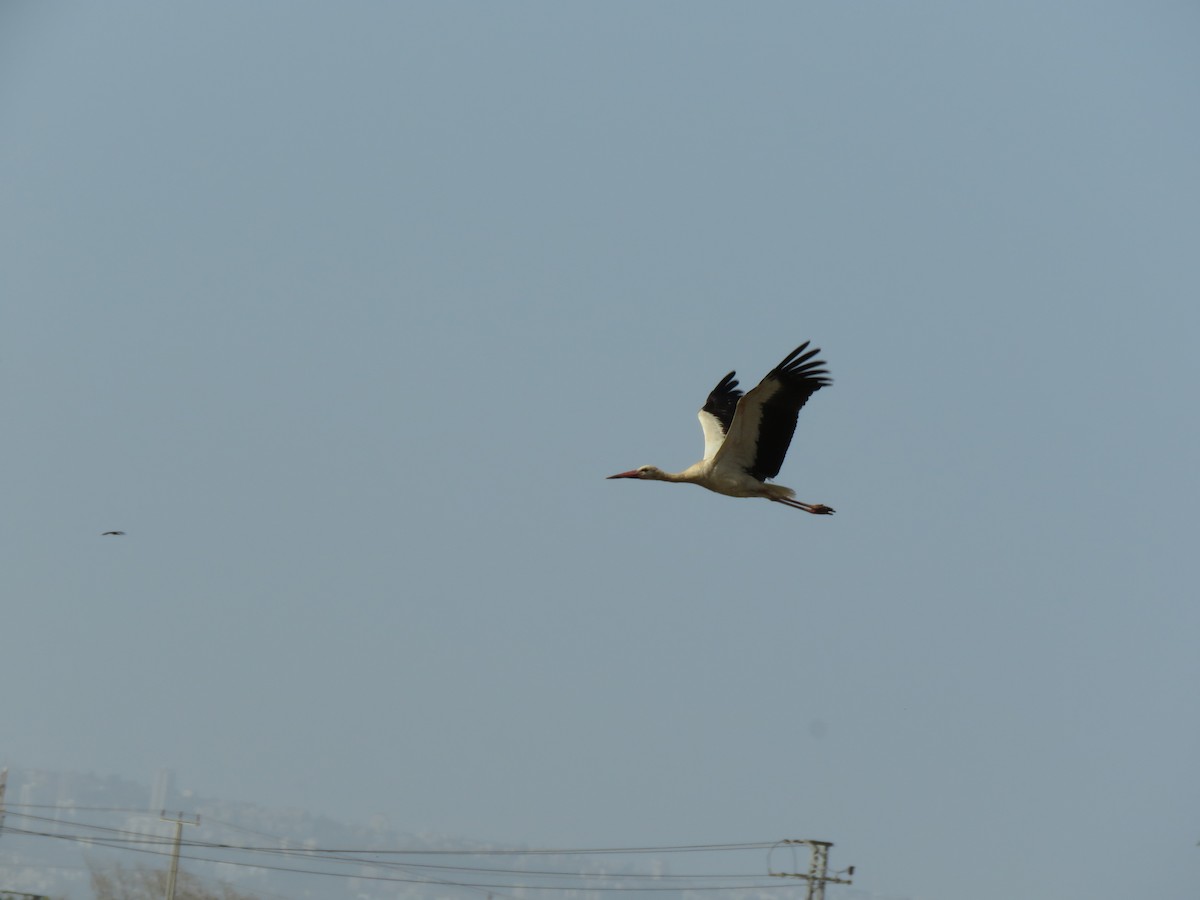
[690,475]
[677,477]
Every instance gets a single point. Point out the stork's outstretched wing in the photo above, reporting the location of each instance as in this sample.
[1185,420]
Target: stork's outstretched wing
[757,439]
[717,414]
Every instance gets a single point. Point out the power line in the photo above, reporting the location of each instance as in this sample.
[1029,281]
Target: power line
[49,807]
[405,862]
[509,851]
[413,878]
[146,837]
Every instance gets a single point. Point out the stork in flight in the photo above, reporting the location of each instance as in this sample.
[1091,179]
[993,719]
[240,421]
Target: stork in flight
[747,437]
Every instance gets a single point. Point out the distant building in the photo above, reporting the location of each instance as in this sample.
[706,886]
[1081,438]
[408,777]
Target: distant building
[161,792]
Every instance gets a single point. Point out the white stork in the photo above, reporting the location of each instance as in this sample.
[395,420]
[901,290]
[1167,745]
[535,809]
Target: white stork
[747,437]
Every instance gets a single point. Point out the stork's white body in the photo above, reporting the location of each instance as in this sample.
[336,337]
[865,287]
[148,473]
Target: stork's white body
[747,437]
[721,479]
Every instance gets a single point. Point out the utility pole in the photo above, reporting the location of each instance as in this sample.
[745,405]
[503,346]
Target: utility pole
[12,895]
[180,820]
[817,875]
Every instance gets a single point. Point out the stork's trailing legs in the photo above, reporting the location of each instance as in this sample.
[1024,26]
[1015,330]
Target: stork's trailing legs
[817,509]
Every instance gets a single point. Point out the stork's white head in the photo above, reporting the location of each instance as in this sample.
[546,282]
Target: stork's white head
[646,473]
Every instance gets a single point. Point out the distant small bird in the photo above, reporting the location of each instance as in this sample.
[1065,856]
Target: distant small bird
[747,437]
[107,533]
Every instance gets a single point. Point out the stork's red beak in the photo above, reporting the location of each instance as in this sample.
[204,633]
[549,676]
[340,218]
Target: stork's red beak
[632,473]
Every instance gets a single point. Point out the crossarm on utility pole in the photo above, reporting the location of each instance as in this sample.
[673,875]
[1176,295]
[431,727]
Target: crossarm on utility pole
[817,875]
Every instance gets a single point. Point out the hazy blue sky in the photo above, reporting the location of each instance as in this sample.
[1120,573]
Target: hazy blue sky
[344,311]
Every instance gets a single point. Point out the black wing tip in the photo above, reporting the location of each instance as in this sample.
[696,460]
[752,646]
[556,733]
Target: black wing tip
[722,401]
[726,385]
[725,392]
[800,366]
